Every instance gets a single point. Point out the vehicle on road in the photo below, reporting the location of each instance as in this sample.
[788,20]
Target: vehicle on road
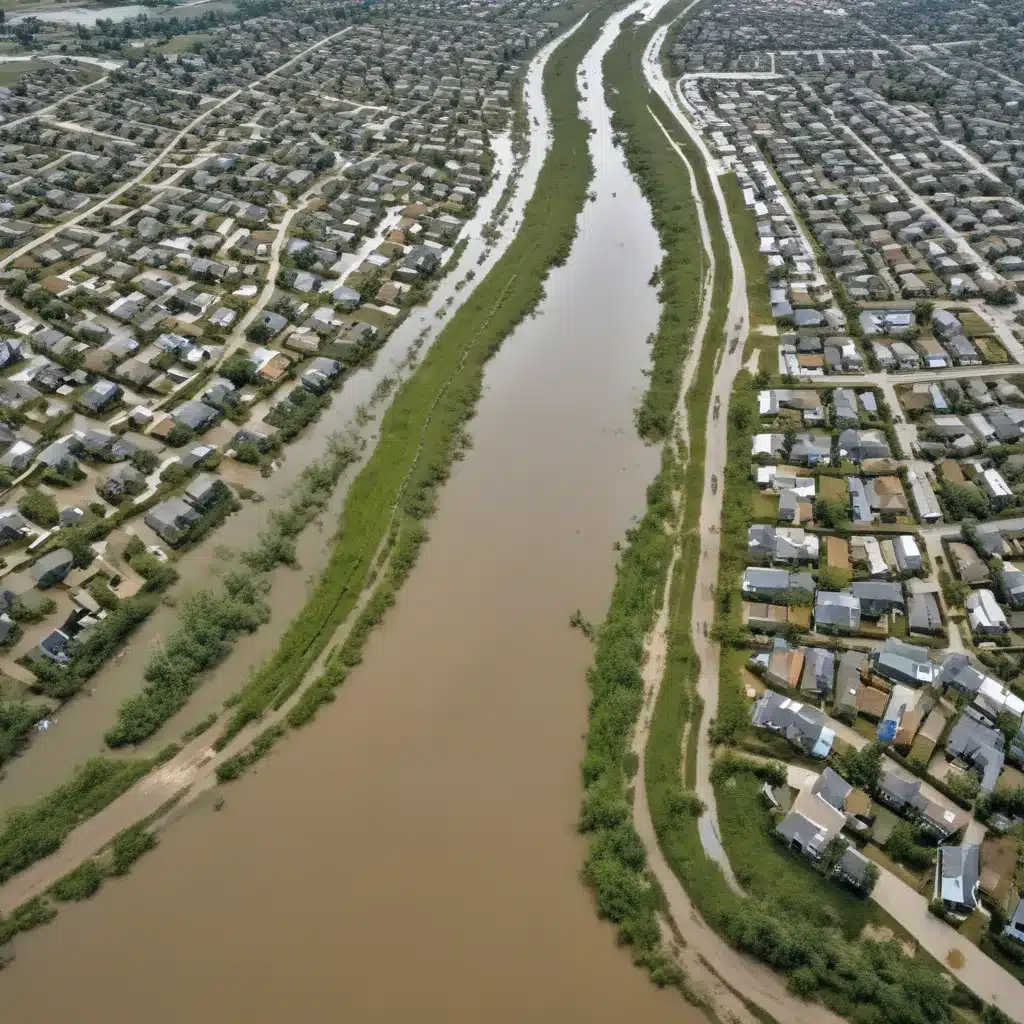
[718,406]
[714,483]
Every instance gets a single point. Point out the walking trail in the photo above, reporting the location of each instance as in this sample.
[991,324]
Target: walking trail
[719,972]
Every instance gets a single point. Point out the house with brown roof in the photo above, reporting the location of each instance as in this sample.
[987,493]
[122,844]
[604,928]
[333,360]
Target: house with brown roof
[872,702]
[969,566]
[785,665]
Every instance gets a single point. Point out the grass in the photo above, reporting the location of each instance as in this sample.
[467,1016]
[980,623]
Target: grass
[31,833]
[974,927]
[765,507]
[755,263]
[975,325]
[185,42]
[832,488]
[992,350]
[664,182]
[12,71]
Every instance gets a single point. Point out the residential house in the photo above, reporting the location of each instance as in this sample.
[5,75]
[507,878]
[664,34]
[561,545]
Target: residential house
[979,746]
[984,613]
[818,675]
[900,662]
[171,520]
[957,874]
[877,598]
[801,724]
[848,684]
[52,568]
[858,445]
[811,824]
[836,611]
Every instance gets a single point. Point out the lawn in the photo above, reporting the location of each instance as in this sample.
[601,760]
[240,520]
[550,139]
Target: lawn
[974,927]
[755,265]
[184,42]
[12,71]
[768,869]
[1009,779]
[991,350]
[864,728]
[765,506]
[833,488]
[919,882]
[885,821]
[974,324]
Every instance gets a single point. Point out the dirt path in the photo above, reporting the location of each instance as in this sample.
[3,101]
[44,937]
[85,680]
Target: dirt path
[732,972]
[715,459]
[194,768]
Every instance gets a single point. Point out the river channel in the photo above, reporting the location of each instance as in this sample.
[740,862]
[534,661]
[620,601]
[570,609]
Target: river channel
[412,855]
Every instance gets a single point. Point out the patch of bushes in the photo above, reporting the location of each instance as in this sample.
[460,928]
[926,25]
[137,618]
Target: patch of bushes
[903,846]
[80,884]
[17,720]
[208,626]
[232,767]
[39,507]
[31,914]
[128,846]
[31,833]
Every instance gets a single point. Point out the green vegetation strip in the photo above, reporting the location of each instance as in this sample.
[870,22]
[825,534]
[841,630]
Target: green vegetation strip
[665,184]
[424,427]
[31,833]
[615,866]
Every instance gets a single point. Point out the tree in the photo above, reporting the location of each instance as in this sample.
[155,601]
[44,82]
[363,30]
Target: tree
[861,767]
[144,460]
[963,786]
[964,501]
[923,311]
[902,845]
[39,507]
[259,332]
[238,369]
[870,880]
[75,540]
[179,435]
[830,578]
[831,514]
[833,854]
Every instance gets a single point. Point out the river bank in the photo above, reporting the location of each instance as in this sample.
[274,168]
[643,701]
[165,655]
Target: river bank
[356,411]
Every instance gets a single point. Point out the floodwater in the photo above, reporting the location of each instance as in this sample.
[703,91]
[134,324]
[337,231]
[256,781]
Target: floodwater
[77,730]
[90,15]
[412,854]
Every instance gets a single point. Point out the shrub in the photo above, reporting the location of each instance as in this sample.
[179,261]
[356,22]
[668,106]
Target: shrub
[128,846]
[39,507]
[80,884]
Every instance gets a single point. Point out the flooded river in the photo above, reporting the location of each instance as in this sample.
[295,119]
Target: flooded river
[412,855]
[77,730]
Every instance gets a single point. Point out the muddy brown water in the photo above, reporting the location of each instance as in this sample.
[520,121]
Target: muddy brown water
[77,730]
[412,854]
